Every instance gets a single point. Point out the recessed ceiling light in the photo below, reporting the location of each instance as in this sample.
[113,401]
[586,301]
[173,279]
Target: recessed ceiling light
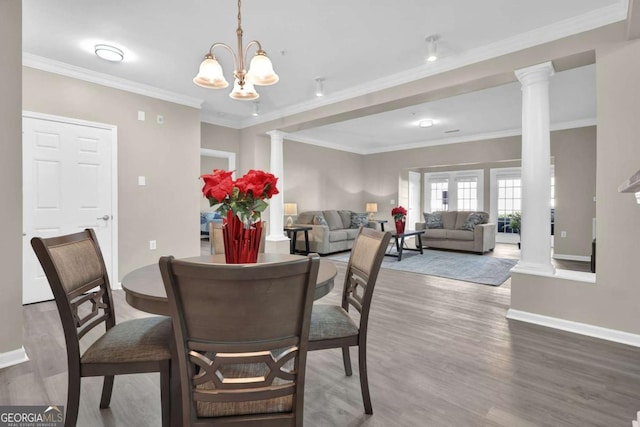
[109,53]
[426,123]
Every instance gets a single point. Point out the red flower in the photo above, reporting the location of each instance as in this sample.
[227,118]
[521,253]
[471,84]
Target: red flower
[258,184]
[218,186]
[245,197]
[398,213]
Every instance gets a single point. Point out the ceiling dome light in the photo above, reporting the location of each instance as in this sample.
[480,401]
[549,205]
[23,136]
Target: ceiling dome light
[432,48]
[426,123]
[109,53]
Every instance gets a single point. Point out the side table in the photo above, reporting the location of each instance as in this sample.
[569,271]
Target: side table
[382,222]
[292,233]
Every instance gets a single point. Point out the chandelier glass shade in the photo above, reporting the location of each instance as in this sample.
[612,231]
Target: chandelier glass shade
[210,74]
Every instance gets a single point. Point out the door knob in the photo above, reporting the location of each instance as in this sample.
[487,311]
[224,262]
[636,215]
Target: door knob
[105,218]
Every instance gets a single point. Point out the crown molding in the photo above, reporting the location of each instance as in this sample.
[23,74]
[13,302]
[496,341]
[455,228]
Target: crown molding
[320,143]
[211,119]
[442,141]
[568,27]
[64,69]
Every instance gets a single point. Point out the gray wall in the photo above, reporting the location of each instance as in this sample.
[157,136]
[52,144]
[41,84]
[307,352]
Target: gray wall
[11,175]
[167,208]
[208,164]
[574,153]
[319,178]
[220,138]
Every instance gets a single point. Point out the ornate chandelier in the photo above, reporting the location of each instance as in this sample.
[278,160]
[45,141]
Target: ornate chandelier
[260,70]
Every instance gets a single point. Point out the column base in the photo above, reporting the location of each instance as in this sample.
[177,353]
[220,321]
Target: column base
[533,268]
[277,244]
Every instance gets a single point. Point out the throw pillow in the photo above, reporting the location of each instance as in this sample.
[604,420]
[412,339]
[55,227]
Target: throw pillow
[433,220]
[319,220]
[359,219]
[474,219]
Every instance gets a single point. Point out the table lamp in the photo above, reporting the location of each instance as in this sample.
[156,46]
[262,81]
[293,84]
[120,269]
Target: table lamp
[290,209]
[371,209]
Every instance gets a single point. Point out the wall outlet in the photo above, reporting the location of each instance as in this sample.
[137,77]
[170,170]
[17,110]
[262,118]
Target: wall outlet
[563,234]
[160,119]
[152,245]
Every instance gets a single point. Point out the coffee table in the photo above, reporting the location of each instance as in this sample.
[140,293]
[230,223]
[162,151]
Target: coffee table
[400,245]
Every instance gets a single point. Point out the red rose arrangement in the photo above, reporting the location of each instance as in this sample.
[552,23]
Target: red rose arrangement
[399,213]
[245,196]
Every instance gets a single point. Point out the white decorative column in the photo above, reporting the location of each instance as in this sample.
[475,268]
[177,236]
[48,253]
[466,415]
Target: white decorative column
[535,255]
[276,241]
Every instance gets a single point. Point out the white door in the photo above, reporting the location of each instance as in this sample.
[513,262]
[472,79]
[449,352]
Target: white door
[67,187]
[414,211]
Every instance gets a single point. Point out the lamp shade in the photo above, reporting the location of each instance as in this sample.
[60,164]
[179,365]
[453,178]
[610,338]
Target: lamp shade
[372,208]
[291,209]
[210,74]
[246,93]
[261,71]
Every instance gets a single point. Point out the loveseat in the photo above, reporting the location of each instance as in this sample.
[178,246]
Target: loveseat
[331,230]
[459,230]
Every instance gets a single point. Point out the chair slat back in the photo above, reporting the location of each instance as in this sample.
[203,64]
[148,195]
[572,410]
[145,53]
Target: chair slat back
[364,264]
[76,272]
[241,332]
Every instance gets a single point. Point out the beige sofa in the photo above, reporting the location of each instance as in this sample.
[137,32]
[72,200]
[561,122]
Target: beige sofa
[336,234]
[452,235]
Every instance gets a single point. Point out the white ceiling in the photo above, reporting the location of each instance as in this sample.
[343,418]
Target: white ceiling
[357,46]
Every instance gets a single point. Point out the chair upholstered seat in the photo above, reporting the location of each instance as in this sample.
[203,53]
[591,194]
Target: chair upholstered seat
[331,321]
[132,341]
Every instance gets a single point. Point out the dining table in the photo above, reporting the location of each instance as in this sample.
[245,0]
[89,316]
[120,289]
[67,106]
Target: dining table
[144,289]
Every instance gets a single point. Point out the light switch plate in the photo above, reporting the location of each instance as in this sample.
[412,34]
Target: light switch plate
[141,115]
[142,180]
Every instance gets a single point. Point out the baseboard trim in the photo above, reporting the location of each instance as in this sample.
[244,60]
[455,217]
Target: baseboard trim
[575,327]
[572,257]
[13,357]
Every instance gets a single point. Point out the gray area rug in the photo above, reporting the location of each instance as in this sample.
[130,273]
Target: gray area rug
[482,269]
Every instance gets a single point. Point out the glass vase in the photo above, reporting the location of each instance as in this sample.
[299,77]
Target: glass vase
[400,226]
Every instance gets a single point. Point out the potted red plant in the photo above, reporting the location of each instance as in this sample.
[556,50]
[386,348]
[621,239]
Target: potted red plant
[399,216]
[240,202]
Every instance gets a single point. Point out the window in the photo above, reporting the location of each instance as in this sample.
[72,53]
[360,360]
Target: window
[467,193]
[437,188]
[454,190]
[509,201]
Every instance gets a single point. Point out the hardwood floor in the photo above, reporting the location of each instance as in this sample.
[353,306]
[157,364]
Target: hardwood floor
[441,353]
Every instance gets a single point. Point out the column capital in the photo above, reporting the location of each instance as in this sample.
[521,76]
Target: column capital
[535,73]
[276,134]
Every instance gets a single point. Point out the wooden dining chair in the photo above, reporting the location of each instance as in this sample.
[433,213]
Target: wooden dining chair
[217,242]
[332,326]
[241,333]
[78,278]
